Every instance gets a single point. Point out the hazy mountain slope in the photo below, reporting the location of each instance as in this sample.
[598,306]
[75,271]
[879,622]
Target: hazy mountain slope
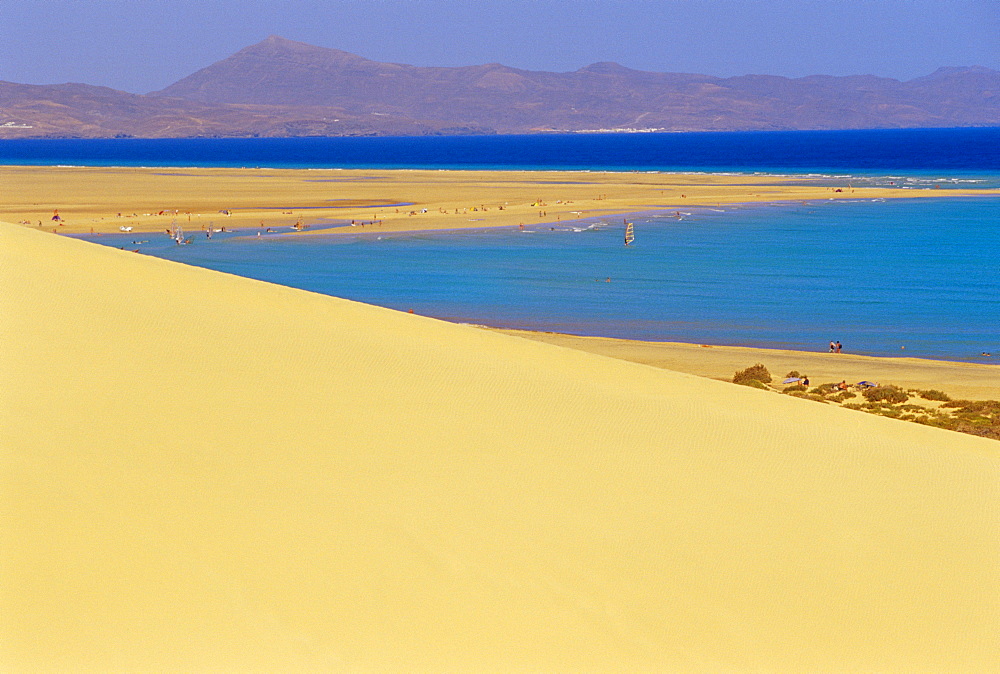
[280,72]
[279,87]
[84,111]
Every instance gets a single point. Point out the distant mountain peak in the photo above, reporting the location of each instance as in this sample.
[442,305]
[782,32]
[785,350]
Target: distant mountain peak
[272,41]
[606,68]
[275,45]
[277,39]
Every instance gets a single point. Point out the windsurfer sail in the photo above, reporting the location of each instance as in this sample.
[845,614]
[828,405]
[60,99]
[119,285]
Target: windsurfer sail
[177,233]
[629,233]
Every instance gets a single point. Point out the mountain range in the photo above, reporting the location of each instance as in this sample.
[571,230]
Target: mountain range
[279,87]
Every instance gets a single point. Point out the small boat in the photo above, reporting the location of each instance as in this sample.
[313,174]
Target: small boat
[629,233]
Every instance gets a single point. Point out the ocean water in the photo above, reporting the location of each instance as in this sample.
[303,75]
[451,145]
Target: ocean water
[876,275]
[915,277]
[973,152]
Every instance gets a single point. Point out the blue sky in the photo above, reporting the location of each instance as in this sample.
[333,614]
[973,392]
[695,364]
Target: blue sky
[144,45]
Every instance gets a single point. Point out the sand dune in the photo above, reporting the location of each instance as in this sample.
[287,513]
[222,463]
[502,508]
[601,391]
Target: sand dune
[208,473]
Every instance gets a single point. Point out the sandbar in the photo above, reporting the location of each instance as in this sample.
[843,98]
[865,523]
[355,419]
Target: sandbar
[100,200]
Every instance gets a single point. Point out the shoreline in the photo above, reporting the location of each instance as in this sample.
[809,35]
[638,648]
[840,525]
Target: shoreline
[974,381]
[105,199]
[619,195]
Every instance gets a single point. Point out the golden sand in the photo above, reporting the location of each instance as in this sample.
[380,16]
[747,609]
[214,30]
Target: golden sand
[207,473]
[974,381]
[150,199]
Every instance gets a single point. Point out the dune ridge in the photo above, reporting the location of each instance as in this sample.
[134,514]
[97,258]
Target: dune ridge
[205,472]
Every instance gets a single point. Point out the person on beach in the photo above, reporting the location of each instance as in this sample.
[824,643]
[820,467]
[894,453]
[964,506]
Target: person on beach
[833,346]
[839,346]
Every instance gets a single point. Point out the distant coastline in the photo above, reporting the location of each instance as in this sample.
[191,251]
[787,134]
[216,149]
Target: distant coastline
[280,88]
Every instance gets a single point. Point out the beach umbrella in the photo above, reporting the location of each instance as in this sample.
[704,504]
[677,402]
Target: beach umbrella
[869,384]
[792,380]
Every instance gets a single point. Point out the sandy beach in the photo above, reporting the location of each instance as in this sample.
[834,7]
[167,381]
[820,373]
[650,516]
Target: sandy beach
[151,199]
[205,472]
[973,381]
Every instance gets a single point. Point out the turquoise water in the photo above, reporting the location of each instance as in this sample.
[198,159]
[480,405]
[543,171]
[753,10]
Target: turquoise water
[878,276]
[923,274]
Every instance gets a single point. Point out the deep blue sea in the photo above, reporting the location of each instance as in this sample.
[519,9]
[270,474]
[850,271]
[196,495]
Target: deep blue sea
[941,151]
[923,274]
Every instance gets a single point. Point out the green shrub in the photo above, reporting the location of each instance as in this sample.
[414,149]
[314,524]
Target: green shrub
[977,406]
[794,388]
[753,383]
[842,396]
[889,394]
[756,372]
[807,396]
[934,394]
[983,431]
[939,422]
[793,373]
[976,417]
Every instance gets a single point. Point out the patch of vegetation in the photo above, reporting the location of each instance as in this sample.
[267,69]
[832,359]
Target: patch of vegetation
[890,394]
[842,396]
[807,396]
[944,422]
[984,407]
[992,432]
[976,417]
[825,389]
[757,373]
[934,394]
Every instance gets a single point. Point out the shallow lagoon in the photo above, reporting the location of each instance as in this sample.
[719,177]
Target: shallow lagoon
[878,276]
